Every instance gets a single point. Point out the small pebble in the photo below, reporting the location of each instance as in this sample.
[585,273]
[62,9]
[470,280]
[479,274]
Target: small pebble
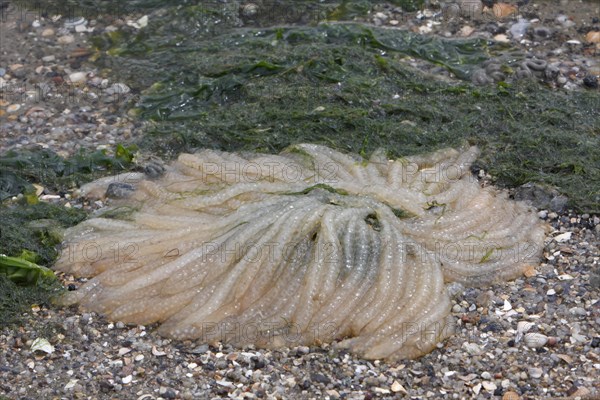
[66,39]
[77,77]
[535,372]
[591,82]
[119,190]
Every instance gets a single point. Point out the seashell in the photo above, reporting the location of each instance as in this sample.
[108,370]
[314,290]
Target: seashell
[502,10]
[593,37]
[522,328]
[581,392]
[530,271]
[41,344]
[397,387]
[249,10]
[535,340]
[510,395]
[75,21]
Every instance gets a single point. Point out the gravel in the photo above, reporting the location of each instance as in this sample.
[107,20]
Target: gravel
[535,337]
[51,95]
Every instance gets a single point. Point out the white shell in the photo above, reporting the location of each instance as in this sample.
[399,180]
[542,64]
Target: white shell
[41,344]
[535,340]
[522,328]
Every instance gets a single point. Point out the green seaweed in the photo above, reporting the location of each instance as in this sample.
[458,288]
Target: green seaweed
[349,87]
[23,271]
[35,228]
[19,169]
[29,237]
[122,213]
[17,300]
[401,214]
[409,5]
[487,255]
[31,229]
[322,186]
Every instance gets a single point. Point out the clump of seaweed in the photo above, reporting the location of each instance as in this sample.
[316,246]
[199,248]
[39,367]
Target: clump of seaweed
[308,246]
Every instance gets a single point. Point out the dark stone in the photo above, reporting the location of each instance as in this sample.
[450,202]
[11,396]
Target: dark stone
[203,348]
[320,378]
[305,385]
[494,28]
[541,197]
[119,190]
[258,363]
[471,295]
[154,170]
[541,33]
[595,342]
[591,82]
[551,72]
[71,287]
[475,168]
[571,391]
[11,370]
[221,364]
[209,366]
[20,73]
[493,327]
[429,370]
[106,387]
[525,388]
[169,394]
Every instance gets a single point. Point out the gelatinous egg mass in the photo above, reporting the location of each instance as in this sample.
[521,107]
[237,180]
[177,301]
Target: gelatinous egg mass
[305,247]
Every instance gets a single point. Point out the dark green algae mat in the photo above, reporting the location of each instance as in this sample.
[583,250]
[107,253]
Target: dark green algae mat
[205,82]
